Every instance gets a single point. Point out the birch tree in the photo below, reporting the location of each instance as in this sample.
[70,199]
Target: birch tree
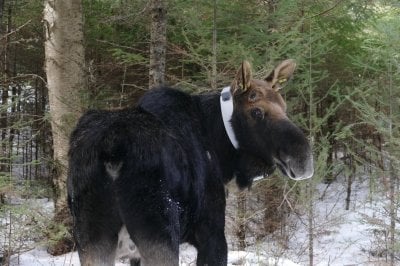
[64,65]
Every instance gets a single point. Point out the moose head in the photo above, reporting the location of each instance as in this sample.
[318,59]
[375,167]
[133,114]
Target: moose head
[262,128]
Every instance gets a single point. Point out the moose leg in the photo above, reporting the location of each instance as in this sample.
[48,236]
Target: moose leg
[101,253]
[209,237]
[158,254]
[156,238]
[211,247]
[96,242]
[96,227]
[135,262]
[152,221]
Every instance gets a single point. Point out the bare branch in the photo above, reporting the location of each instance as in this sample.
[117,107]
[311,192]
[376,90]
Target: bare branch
[16,30]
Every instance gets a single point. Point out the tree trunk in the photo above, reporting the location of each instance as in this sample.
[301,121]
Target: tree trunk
[158,42]
[350,180]
[65,70]
[214,49]
[393,190]
[393,205]
[4,163]
[241,217]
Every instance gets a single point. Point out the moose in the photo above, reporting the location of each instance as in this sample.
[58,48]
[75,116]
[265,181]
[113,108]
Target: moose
[157,171]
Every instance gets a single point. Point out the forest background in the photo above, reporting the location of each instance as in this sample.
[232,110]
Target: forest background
[345,94]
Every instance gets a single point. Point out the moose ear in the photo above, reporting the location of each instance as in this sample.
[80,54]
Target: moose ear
[242,80]
[281,74]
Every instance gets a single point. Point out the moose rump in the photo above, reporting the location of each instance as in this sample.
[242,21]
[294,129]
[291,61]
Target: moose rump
[128,169]
[157,171]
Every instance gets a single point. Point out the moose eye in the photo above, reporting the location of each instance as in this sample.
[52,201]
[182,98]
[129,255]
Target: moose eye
[252,96]
[257,114]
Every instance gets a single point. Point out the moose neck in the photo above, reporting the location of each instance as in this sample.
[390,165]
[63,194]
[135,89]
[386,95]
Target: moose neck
[210,109]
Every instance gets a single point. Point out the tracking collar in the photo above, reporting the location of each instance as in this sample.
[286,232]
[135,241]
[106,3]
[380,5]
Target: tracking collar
[226,101]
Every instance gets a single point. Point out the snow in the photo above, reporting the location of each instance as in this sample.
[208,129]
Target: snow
[341,237]
[39,257]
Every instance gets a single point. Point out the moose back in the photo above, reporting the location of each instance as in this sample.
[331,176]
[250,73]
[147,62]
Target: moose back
[156,172]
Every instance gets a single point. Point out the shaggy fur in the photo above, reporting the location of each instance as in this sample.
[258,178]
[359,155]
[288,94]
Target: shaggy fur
[160,168]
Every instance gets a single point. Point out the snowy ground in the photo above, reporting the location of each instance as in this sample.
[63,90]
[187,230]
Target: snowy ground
[357,236]
[39,257]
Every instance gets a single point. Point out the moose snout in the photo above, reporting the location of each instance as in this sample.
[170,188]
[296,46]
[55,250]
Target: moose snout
[296,168]
[293,151]
[301,170]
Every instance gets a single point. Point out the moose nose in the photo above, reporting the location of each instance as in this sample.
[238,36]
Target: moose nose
[300,170]
[296,168]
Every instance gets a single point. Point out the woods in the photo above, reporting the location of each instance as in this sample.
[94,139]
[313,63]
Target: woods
[61,58]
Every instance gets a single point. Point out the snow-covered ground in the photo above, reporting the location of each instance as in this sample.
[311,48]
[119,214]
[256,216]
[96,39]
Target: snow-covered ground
[357,236]
[39,257]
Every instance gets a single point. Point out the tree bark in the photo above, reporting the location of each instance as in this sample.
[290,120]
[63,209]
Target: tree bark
[1,13]
[214,49]
[393,190]
[158,42]
[65,70]
[241,216]
[4,162]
